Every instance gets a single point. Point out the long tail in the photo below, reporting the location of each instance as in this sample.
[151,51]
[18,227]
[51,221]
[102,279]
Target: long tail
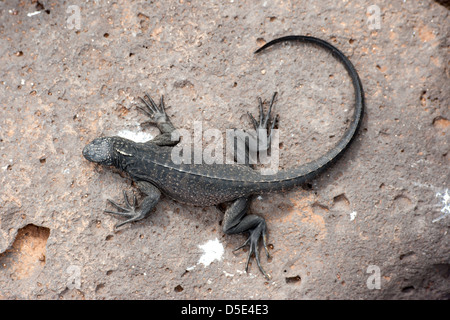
[286,179]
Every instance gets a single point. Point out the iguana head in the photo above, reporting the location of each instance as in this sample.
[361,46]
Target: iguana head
[100,151]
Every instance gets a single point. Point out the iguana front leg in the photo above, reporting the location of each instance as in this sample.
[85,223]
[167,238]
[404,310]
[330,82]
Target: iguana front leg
[159,118]
[130,211]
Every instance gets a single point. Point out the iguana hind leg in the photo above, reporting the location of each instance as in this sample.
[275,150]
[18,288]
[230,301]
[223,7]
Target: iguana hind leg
[236,220]
[249,145]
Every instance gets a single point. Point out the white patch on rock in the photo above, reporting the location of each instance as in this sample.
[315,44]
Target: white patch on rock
[33,13]
[445,201]
[135,136]
[212,250]
[228,274]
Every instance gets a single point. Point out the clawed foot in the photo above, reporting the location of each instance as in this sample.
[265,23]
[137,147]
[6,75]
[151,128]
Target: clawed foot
[159,118]
[157,114]
[129,211]
[262,125]
[253,241]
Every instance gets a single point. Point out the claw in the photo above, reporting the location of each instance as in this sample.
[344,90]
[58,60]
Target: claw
[261,111]
[132,207]
[128,211]
[117,205]
[264,236]
[144,110]
[153,104]
[122,214]
[269,138]
[255,123]
[161,104]
[270,109]
[253,241]
[245,243]
[151,109]
[148,105]
[262,124]
[263,118]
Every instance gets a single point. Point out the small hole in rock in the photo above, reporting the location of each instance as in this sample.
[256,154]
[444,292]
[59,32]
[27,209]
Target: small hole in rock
[293,279]
[178,288]
[408,289]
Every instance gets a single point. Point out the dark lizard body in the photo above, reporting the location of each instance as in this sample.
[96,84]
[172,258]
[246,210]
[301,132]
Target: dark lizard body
[150,165]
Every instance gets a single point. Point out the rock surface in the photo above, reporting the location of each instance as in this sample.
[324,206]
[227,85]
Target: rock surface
[374,226]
